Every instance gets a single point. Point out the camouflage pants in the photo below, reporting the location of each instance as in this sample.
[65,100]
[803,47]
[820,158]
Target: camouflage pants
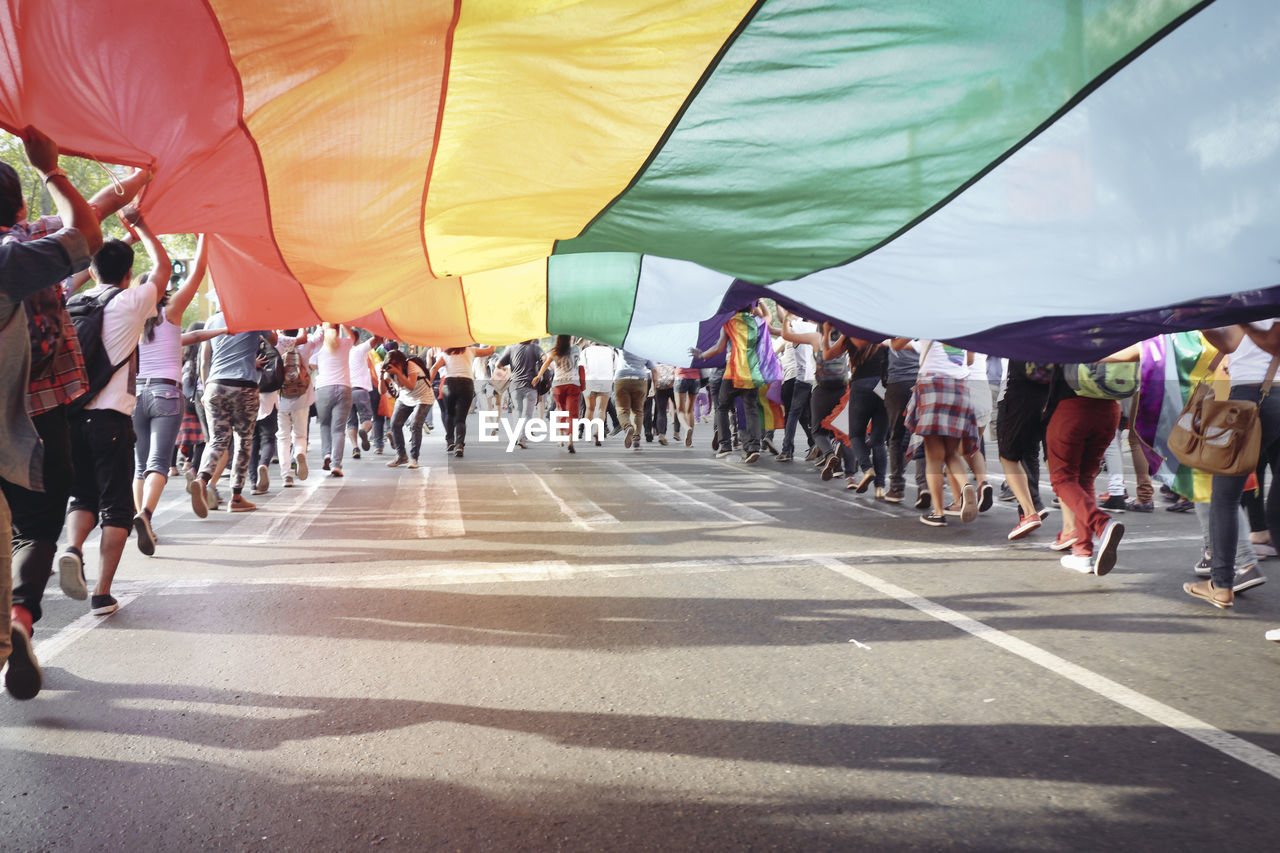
[232,411]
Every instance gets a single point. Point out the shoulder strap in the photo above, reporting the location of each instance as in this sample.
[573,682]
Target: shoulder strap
[1271,374]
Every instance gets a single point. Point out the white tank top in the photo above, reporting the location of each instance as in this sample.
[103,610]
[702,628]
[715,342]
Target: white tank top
[458,364]
[161,358]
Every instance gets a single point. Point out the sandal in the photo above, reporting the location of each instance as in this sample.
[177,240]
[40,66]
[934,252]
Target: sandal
[1205,590]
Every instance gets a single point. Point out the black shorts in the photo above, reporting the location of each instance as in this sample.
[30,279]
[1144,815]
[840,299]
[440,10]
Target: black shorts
[102,455]
[1019,424]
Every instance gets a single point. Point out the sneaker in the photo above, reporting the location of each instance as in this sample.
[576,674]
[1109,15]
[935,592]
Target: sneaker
[1108,544]
[631,436]
[264,478]
[952,510]
[520,443]
[1006,493]
[850,483]
[397,462]
[301,460]
[768,445]
[239,503]
[413,463]
[1264,550]
[364,439]
[1057,501]
[829,466]
[1273,635]
[1062,543]
[457,454]
[22,677]
[1204,568]
[813,454]
[923,501]
[71,573]
[288,481]
[377,451]
[1247,578]
[662,439]
[894,496]
[968,503]
[868,477]
[880,493]
[449,448]
[103,605]
[688,437]
[1205,591]
[212,496]
[783,457]
[751,457]
[337,472]
[258,489]
[1140,506]
[933,520]
[986,497]
[199,501]
[1044,512]
[1114,503]
[325,466]
[146,536]
[1026,524]
[1180,505]
[720,454]
[355,453]
[1078,563]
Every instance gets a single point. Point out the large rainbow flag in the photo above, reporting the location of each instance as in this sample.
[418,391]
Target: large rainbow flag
[1045,179]
[1171,366]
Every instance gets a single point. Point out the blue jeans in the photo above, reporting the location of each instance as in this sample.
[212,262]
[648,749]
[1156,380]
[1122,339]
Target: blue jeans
[333,404]
[797,415]
[866,407]
[725,404]
[1224,506]
[401,414]
[157,416]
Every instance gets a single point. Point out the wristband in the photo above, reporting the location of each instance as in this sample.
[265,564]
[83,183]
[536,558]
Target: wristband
[55,173]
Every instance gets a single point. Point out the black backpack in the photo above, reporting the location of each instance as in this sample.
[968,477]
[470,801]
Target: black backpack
[417,359]
[86,316]
[273,371]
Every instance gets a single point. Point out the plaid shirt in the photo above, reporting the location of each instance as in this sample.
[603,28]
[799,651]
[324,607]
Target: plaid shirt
[66,379]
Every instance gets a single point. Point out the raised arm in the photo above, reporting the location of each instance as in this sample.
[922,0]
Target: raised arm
[435,368]
[161,269]
[183,295]
[1224,339]
[1267,340]
[108,200]
[196,336]
[813,339]
[74,211]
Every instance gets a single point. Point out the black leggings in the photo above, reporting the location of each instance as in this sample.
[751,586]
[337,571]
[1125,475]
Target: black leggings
[457,395]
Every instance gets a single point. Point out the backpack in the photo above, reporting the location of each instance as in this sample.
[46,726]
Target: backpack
[86,316]
[273,371]
[297,376]
[44,326]
[417,359]
[1111,381]
[1040,372]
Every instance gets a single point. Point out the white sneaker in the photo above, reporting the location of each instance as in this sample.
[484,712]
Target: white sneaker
[301,459]
[1077,563]
[264,480]
[1274,635]
[288,481]
[71,574]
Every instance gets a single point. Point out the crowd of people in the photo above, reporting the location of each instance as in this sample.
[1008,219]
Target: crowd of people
[113,398]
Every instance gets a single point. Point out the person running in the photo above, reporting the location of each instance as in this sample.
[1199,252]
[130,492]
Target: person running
[232,399]
[1019,433]
[28,267]
[630,387]
[1255,354]
[408,383]
[333,392]
[941,415]
[293,407]
[867,452]
[523,359]
[831,370]
[458,391]
[566,385]
[360,415]
[600,364]
[688,382]
[160,407]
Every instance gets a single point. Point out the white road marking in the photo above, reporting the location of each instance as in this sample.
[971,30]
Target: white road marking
[840,495]
[695,502]
[587,513]
[432,493]
[1228,744]
[285,517]
[48,649]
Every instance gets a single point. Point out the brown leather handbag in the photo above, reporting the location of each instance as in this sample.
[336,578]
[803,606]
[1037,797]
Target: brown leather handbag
[1219,436]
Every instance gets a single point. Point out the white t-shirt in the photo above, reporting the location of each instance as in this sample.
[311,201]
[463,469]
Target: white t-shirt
[333,367]
[358,366]
[804,352]
[939,359]
[122,323]
[419,390]
[457,364]
[599,362]
[1248,364]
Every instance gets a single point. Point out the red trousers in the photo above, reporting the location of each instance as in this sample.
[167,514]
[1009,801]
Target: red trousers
[1077,437]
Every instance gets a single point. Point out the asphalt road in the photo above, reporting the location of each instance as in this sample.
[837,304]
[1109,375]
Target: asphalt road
[650,650]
